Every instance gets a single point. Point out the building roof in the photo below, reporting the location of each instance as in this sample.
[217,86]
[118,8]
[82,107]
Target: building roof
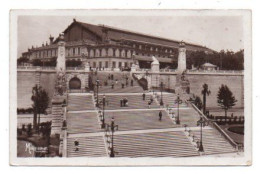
[113,33]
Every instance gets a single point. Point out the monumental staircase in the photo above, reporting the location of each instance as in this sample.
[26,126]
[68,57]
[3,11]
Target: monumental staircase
[140,133]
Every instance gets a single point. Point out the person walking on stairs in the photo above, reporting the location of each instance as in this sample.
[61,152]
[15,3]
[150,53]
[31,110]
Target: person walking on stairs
[160,116]
[132,82]
[143,96]
[76,143]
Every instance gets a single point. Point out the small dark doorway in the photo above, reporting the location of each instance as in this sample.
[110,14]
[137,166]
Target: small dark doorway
[75,83]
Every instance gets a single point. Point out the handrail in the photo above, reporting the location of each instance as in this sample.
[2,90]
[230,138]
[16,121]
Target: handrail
[64,130]
[222,132]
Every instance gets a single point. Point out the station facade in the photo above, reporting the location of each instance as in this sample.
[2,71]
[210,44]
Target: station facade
[107,47]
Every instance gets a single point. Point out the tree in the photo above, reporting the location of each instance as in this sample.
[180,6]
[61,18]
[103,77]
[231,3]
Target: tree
[198,102]
[226,100]
[205,91]
[22,60]
[40,100]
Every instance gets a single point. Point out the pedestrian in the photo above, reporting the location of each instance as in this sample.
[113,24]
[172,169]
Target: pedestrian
[76,143]
[149,104]
[112,85]
[126,102]
[108,76]
[143,96]
[160,115]
[116,81]
[132,82]
[151,99]
[123,85]
[112,77]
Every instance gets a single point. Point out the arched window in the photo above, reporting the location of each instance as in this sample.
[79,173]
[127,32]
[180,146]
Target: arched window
[97,53]
[110,52]
[117,53]
[103,52]
[123,53]
[91,53]
[129,54]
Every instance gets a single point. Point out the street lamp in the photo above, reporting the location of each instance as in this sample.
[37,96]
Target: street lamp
[103,115]
[178,101]
[201,122]
[161,102]
[146,74]
[112,127]
[97,85]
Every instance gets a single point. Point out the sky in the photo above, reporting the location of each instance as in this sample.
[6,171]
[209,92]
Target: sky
[215,32]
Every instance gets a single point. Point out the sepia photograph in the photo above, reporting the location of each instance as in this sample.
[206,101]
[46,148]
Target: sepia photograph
[130,87]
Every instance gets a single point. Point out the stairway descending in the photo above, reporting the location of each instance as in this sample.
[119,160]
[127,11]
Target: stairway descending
[86,122]
[80,102]
[154,144]
[119,89]
[118,80]
[134,101]
[56,118]
[213,142]
[92,146]
[170,100]
[140,120]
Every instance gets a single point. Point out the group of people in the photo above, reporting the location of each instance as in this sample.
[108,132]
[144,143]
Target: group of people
[115,82]
[124,102]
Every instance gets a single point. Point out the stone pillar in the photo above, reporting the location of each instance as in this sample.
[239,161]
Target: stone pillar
[61,61]
[182,58]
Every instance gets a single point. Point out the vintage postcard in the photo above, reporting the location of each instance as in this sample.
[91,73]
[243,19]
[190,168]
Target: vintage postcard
[130,87]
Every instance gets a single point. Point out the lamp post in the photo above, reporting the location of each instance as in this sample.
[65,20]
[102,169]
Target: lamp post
[161,102]
[201,122]
[97,85]
[103,115]
[178,101]
[146,74]
[112,128]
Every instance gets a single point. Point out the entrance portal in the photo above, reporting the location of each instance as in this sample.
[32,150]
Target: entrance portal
[75,83]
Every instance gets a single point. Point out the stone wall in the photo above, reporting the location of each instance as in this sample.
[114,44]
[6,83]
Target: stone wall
[234,82]
[25,81]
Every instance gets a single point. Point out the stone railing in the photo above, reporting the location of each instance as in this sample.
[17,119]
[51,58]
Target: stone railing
[220,130]
[36,68]
[168,70]
[75,68]
[216,71]
[64,132]
[27,67]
